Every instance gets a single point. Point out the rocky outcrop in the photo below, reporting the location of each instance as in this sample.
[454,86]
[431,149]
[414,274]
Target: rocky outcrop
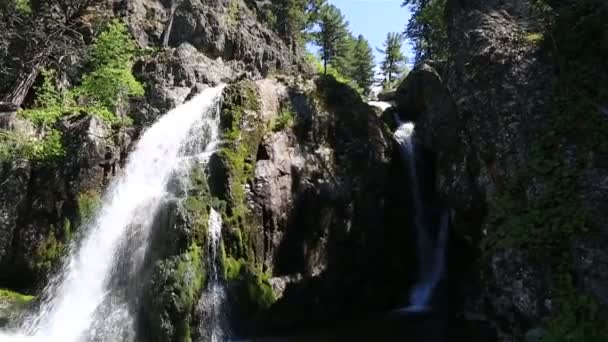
[504,164]
[43,204]
[305,173]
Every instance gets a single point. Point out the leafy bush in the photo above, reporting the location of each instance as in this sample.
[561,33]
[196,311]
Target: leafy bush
[16,145]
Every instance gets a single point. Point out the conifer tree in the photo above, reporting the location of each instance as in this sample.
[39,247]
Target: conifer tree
[427,29]
[394,61]
[363,64]
[332,36]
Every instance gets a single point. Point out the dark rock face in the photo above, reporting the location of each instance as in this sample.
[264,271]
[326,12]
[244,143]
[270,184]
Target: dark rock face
[208,42]
[41,204]
[480,112]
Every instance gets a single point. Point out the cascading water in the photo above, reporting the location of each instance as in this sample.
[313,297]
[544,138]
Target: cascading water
[80,303]
[430,252]
[215,293]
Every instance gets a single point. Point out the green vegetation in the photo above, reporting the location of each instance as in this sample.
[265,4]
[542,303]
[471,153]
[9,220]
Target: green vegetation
[292,19]
[23,6]
[88,204]
[47,253]
[14,297]
[332,36]
[234,12]
[427,28]
[284,120]
[393,65]
[534,37]
[16,145]
[237,155]
[362,64]
[178,290]
[103,90]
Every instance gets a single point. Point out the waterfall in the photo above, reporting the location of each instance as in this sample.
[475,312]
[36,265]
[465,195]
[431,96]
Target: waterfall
[215,290]
[430,251]
[80,303]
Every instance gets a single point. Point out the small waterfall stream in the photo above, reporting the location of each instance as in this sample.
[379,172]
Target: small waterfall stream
[215,292]
[430,250]
[80,303]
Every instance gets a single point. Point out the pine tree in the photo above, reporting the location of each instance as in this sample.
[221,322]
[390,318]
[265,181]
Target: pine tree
[427,28]
[394,61]
[363,64]
[332,35]
[343,62]
[292,19]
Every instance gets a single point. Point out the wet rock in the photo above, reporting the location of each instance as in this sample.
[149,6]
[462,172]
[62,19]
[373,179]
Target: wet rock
[43,203]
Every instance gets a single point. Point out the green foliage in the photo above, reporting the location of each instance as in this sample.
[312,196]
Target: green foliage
[107,87]
[292,19]
[394,61]
[363,64]
[332,35]
[47,149]
[232,267]
[113,47]
[23,6]
[47,253]
[329,70]
[284,120]
[111,83]
[427,28]
[88,204]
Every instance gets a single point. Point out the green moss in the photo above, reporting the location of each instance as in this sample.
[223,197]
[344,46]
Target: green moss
[232,267]
[534,37]
[47,253]
[238,155]
[234,12]
[177,285]
[14,298]
[88,204]
[284,120]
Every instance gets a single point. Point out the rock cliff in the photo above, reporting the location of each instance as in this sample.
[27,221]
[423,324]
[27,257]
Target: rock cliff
[519,167]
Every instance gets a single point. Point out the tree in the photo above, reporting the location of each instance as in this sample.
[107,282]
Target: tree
[427,28]
[38,39]
[394,61]
[362,64]
[292,19]
[332,34]
[343,62]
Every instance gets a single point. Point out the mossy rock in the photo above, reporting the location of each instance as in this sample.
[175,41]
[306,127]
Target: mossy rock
[12,305]
[176,287]
[232,167]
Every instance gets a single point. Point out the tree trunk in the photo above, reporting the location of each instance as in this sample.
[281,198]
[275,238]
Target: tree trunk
[22,87]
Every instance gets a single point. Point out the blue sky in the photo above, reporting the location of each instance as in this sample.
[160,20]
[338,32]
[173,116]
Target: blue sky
[374,19]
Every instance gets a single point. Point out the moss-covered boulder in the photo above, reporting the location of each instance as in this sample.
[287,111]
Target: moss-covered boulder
[12,306]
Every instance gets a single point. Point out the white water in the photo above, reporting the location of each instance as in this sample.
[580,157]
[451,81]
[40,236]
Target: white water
[380,104]
[80,303]
[430,252]
[216,290]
